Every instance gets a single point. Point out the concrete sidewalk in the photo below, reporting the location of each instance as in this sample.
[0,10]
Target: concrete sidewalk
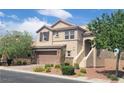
[82,79]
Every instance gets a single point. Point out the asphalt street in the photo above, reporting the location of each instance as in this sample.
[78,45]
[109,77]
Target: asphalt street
[19,77]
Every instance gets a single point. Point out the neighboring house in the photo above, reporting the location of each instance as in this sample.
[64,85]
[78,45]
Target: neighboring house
[64,42]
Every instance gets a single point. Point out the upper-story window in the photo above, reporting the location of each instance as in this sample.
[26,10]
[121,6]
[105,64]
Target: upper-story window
[69,34]
[44,36]
[56,34]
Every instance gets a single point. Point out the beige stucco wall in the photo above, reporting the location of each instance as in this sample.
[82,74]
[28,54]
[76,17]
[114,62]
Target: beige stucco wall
[102,55]
[60,25]
[89,62]
[71,45]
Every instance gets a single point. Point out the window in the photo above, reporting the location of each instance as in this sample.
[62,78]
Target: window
[68,53]
[69,35]
[46,36]
[56,34]
[41,37]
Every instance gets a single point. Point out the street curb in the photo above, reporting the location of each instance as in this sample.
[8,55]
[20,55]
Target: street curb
[55,76]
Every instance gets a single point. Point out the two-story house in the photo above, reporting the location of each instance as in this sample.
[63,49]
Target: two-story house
[64,42]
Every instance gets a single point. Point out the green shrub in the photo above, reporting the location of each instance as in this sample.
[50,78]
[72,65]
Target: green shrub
[76,66]
[112,77]
[48,69]
[19,62]
[83,70]
[57,66]
[38,69]
[108,75]
[24,63]
[48,65]
[67,70]
[52,65]
[66,64]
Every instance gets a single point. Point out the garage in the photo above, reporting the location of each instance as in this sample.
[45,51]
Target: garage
[48,57]
[49,54]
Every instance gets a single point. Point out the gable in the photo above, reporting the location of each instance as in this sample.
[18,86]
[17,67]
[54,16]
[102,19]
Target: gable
[61,24]
[44,29]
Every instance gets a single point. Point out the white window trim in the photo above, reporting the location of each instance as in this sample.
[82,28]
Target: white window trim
[43,37]
[69,35]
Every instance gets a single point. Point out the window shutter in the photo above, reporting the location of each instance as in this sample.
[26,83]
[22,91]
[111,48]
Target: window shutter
[41,36]
[48,36]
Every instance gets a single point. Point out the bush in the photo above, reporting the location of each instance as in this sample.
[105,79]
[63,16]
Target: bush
[48,69]
[24,63]
[19,62]
[48,65]
[66,64]
[67,70]
[112,77]
[57,66]
[38,69]
[52,65]
[76,66]
[82,70]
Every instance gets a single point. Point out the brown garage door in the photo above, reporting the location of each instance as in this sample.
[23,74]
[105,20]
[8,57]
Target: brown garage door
[48,57]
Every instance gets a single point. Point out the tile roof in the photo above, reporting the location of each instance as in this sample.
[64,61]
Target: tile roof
[71,27]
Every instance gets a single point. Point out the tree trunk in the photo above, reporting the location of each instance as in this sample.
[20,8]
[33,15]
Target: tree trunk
[117,64]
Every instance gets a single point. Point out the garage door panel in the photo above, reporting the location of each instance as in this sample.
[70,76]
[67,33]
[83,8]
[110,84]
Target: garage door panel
[48,57]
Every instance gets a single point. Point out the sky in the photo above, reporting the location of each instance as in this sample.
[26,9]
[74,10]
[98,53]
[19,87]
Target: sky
[31,20]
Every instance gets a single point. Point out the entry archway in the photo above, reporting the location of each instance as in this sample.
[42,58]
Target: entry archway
[88,46]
